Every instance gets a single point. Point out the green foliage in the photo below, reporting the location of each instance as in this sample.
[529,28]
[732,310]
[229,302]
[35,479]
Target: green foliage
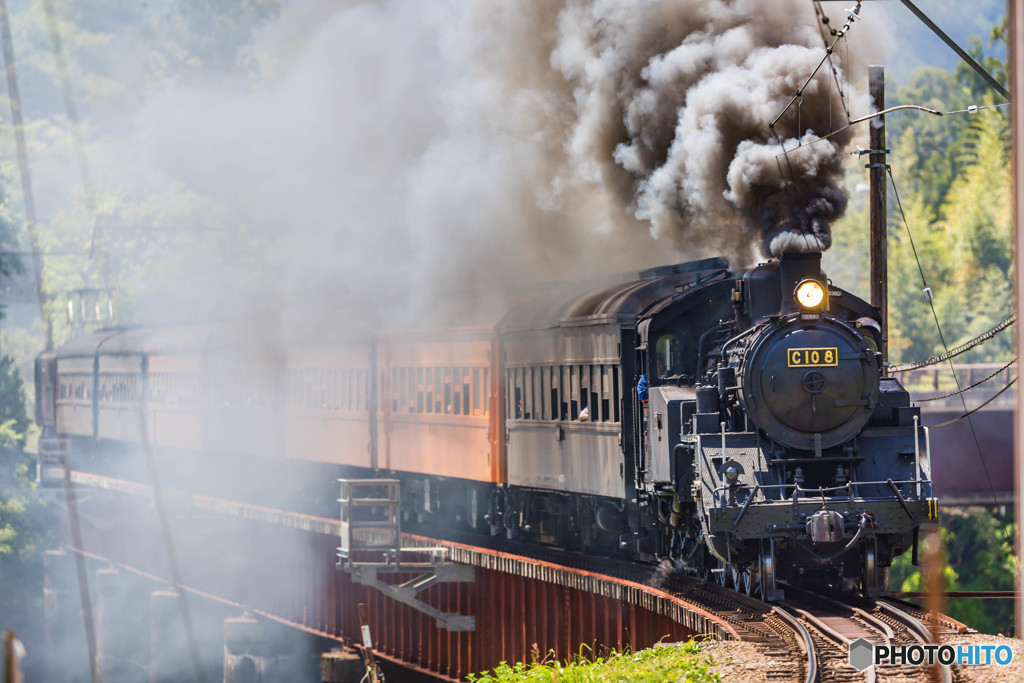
[24,521]
[952,176]
[676,662]
[13,414]
[978,550]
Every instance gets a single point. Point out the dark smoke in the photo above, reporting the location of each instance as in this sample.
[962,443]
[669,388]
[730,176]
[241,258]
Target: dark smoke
[674,99]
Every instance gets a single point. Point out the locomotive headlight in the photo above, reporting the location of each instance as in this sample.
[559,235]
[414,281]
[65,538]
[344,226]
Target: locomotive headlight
[810,294]
[732,474]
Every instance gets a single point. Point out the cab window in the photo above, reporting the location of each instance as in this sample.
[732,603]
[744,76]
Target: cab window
[667,356]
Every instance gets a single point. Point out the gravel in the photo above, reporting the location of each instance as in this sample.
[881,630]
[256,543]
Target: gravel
[739,661]
[992,673]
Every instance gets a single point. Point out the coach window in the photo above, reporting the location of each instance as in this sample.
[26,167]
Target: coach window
[527,393]
[336,389]
[428,387]
[408,390]
[462,391]
[485,392]
[416,390]
[517,375]
[584,371]
[574,392]
[474,378]
[522,394]
[438,391]
[602,393]
[446,401]
[398,391]
[616,392]
[564,391]
[527,386]
[553,374]
[457,391]
[539,409]
[466,390]
[533,392]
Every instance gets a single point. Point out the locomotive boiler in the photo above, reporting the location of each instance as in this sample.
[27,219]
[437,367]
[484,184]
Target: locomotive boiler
[736,422]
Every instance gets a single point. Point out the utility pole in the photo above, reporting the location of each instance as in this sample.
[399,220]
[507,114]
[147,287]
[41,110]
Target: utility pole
[26,176]
[876,176]
[1017,135]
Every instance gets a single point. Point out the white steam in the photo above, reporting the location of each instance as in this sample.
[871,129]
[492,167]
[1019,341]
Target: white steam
[387,156]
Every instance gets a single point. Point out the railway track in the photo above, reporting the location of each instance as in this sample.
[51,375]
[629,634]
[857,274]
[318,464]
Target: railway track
[835,625]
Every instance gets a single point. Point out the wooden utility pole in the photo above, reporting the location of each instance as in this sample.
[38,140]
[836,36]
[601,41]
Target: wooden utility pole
[1017,135]
[26,176]
[876,175]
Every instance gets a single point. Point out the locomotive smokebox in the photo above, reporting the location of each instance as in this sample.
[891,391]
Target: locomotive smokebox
[794,268]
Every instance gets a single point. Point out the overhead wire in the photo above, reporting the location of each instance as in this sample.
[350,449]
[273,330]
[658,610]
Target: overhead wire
[901,107]
[74,124]
[935,316]
[966,389]
[974,410]
[797,98]
[963,348]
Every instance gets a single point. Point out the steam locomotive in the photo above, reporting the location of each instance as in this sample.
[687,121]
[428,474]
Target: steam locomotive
[737,423]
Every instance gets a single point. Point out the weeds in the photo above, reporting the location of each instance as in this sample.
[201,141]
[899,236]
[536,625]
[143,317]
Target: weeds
[669,662]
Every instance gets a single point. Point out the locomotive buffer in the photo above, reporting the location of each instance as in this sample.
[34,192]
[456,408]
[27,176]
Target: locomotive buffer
[371,545]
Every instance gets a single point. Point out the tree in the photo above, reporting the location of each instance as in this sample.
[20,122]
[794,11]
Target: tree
[24,522]
[978,550]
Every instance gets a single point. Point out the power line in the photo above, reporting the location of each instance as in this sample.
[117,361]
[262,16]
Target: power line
[963,348]
[935,316]
[966,389]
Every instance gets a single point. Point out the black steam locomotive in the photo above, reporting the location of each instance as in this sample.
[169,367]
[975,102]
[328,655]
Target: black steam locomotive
[738,423]
[763,443]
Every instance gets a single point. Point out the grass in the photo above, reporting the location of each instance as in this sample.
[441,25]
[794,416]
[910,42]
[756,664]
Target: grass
[664,662]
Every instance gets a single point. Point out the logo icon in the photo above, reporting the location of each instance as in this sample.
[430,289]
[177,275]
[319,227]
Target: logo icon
[861,654]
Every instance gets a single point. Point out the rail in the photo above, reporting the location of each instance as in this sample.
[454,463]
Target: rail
[884,622]
[918,628]
[808,644]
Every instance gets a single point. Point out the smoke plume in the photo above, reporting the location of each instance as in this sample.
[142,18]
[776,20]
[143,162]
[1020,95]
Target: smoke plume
[673,106]
[379,157]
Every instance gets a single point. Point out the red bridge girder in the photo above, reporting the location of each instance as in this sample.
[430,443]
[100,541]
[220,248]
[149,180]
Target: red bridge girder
[281,566]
